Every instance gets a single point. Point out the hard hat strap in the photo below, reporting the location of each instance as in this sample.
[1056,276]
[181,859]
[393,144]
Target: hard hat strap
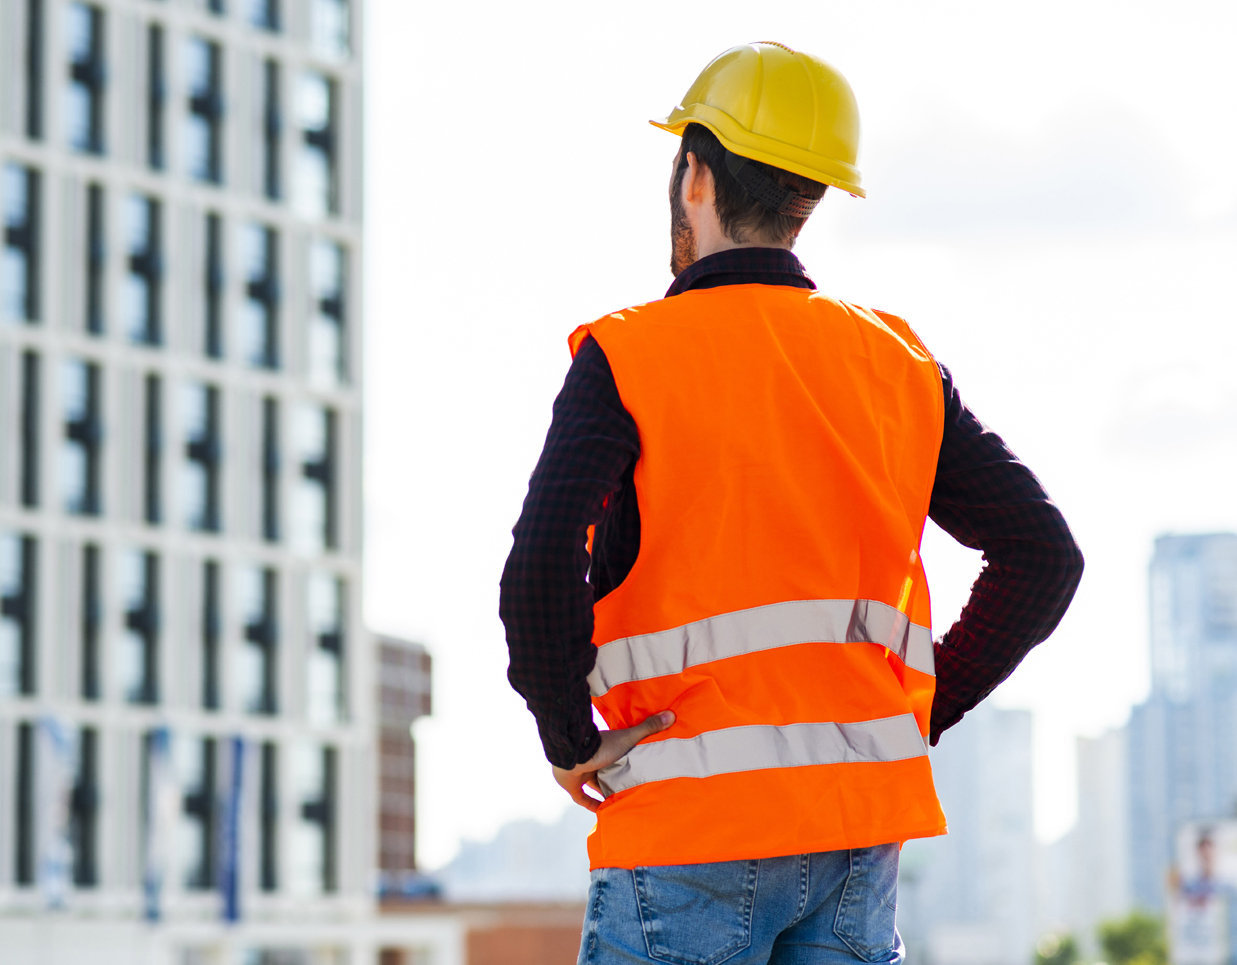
[774,196]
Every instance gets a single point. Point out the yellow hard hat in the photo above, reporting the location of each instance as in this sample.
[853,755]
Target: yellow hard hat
[786,108]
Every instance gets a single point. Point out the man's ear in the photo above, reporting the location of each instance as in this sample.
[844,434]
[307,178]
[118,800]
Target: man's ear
[698,180]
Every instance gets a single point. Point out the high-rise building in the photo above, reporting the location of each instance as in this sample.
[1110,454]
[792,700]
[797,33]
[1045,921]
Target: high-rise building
[186,695]
[1182,757]
[1093,883]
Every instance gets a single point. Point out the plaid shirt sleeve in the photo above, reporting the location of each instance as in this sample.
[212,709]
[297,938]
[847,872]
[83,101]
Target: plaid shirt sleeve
[545,600]
[986,499]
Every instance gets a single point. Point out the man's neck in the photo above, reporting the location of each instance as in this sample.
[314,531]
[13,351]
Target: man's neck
[718,241]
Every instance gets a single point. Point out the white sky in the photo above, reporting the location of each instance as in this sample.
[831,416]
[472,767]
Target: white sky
[1052,205]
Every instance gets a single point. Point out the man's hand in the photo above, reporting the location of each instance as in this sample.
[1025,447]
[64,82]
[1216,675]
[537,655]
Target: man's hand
[614,744]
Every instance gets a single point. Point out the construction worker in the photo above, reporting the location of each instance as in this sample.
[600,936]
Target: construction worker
[720,546]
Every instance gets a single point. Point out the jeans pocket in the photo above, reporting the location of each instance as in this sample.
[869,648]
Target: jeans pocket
[696,914]
[867,908]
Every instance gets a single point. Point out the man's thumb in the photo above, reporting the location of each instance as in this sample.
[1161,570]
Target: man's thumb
[659,721]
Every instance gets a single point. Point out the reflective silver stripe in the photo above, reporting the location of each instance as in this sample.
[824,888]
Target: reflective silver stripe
[761,628]
[735,749]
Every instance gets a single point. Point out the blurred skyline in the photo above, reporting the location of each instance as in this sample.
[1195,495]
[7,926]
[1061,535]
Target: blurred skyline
[1050,205]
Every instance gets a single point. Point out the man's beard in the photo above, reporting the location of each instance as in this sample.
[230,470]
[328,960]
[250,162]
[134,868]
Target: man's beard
[682,238]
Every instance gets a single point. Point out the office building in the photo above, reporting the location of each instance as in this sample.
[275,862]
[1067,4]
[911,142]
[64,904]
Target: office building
[186,691]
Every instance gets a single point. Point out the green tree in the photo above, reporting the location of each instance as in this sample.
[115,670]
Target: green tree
[1057,950]
[1136,939]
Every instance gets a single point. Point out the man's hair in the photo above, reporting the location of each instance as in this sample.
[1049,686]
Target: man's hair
[740,214]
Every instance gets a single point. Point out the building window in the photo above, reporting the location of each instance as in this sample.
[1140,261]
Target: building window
[18,612]
[256,660]
[96,258]
[156,98]
[258,317]
[314,497]
[138,653]
[92,622]
[87,76]
[264,14]
[311,838]
[327,343]
[213,283]
[203,455]
[268,818]
[326,702]
[24,838]
[153,455]
[34,69]
[204,125]
[19,264]
[29,454]
[84,810]
[212,629]
[270,469]
[329,28]
[143,280]
[272,130]
[198,767]
[316,161]
[83,438]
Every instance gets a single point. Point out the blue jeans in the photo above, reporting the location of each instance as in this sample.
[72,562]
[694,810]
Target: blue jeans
[827,908]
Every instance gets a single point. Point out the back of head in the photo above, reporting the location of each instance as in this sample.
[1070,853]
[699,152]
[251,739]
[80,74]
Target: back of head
[754,201]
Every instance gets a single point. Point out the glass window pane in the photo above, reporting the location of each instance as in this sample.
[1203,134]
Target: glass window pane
[325,698]
[314,187]
[203,118]
[19,237]
[307,837]
[139,295]
[12,584]
[83,102]
[255,315]
[131,653]
[255,660]
[263,13]
[308,522]
[329,27]
[198,476]
[74,458]
[193,472]
[326,330]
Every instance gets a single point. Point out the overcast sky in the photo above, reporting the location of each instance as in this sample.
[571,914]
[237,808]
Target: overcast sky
[1052,205]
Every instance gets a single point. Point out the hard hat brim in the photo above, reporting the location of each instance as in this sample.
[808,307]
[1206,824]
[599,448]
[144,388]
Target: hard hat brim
[838,175]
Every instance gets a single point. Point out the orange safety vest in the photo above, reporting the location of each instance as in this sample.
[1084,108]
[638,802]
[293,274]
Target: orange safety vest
[788,445]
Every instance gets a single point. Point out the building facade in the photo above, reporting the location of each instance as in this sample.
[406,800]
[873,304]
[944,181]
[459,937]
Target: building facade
[186,691]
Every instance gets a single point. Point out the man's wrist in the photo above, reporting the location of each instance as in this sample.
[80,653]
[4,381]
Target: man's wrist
[568,753]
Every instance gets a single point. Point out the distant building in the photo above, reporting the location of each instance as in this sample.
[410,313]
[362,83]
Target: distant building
[403,696]
[968,898]
[1182,764]
[1094,870]
[525,861]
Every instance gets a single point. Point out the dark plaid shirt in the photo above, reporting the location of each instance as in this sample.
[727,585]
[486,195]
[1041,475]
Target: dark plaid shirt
[982,496]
